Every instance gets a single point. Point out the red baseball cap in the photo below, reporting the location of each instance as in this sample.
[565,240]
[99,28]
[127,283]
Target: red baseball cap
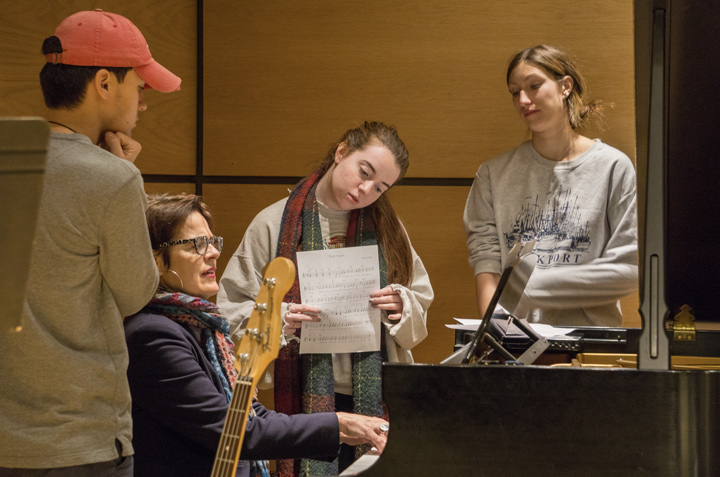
[100,38]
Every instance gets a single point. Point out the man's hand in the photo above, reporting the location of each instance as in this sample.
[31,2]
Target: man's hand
[122,145]
[356,429]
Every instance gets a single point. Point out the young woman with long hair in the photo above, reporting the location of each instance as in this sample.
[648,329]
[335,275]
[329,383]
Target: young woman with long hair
[342,203]
[573,194]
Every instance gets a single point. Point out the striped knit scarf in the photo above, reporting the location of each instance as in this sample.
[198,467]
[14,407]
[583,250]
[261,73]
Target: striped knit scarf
[203,319]
[211,330]
[305,383]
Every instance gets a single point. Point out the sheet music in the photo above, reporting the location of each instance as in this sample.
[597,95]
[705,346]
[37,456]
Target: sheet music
[546,331]
[339,282]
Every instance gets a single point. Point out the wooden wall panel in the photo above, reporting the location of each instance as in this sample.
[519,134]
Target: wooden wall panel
[233,207]
[433,219]
[168,188]
[630,309]
[167,130]
[284,77]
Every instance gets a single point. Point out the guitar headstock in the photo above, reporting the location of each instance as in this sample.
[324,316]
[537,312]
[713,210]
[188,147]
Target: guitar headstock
[258,347]
[260,344]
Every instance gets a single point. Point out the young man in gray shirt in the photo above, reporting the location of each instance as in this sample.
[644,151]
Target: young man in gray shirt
[65,400]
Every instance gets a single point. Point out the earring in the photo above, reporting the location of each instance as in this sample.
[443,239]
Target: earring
[182,285]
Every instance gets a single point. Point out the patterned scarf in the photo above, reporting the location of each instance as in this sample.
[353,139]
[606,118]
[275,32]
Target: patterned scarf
[212,332]
[305,383]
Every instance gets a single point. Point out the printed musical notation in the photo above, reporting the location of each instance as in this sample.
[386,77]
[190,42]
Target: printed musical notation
[343,339]
[324,272]
[339,282]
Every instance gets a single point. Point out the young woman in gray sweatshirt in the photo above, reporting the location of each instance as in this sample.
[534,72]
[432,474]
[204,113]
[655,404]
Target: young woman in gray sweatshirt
[573,194]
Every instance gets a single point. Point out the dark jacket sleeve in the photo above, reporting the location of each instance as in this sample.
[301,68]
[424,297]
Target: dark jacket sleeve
[272,435]
[173,382]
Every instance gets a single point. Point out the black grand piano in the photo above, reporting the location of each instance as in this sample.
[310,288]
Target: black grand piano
[500,420]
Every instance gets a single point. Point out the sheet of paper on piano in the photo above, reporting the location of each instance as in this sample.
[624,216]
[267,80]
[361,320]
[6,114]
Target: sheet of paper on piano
[339,281]
[546,331]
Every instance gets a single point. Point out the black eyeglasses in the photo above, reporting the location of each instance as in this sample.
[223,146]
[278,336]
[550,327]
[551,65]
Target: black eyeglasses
[201,243]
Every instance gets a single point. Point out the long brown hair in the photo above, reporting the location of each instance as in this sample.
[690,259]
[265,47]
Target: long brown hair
[390,233]
[558,64]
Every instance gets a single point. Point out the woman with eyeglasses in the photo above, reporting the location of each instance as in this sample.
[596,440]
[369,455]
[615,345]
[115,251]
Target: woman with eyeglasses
[181,369]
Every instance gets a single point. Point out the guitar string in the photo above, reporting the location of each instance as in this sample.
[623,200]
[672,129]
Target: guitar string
[220,465]
[226,461]
[254,354]
[253,357]
[224,465]
[227,465]
[239,417]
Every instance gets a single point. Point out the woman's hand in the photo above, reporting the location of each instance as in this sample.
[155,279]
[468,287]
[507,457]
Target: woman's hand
[356,429]
[389,300]
[297,313]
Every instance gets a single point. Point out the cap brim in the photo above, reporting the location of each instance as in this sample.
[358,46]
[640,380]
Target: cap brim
[158,77]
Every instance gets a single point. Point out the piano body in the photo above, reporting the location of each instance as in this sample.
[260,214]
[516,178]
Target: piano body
[527,420]
[539,420]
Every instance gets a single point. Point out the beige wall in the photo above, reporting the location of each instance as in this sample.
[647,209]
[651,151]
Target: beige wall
[284,79]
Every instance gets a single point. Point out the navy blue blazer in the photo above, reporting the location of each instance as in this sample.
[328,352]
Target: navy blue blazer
[179,407]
